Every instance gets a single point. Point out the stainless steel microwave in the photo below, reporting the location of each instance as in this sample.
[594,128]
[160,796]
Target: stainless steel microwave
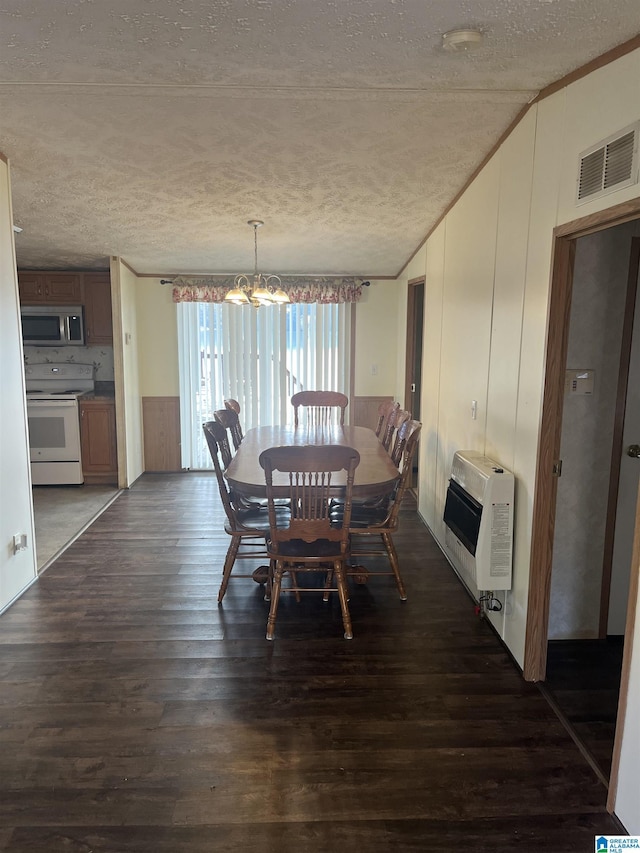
[52,325]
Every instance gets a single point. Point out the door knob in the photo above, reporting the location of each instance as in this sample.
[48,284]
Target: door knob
[634,451]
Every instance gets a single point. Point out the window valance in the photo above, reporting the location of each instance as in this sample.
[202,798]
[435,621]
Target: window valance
[299,289]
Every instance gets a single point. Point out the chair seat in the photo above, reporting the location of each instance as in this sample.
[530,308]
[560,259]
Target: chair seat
[363,515]
[250,502]
[257,518]
[298,549]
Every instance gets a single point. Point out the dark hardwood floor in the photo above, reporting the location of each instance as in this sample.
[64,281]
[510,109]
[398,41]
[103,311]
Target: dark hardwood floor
[583,678]
[136,715]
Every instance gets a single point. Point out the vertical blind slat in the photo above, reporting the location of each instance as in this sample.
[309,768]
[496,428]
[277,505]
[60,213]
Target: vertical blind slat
[258,357]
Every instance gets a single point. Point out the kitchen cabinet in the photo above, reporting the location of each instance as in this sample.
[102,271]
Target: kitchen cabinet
[98,440]
[50,288]
[98,326]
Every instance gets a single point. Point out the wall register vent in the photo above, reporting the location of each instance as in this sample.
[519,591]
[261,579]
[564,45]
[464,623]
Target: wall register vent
[610,165]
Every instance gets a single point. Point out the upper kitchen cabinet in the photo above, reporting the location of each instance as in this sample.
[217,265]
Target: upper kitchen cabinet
[98,326]
[44,288]
[90,289]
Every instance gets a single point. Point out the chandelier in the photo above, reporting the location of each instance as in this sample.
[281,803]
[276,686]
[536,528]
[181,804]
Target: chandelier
[257,289]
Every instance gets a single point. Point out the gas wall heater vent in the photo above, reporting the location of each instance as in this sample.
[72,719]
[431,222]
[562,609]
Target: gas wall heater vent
[478,517]
[609,166]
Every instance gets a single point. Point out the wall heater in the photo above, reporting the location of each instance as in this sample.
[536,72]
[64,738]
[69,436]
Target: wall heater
[478,517]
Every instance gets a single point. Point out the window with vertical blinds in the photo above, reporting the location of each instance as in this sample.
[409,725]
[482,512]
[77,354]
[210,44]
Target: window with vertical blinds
[259,357]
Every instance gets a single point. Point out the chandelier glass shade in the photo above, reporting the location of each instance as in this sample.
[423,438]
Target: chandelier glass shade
[256,289]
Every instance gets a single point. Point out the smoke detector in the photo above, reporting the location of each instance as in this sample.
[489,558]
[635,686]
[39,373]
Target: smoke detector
[459,41]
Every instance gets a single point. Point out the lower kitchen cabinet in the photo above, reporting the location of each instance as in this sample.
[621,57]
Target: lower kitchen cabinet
[98,441]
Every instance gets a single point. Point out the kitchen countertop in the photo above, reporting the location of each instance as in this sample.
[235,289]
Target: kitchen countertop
[102,391]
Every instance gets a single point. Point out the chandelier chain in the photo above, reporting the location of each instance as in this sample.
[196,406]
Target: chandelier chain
[255,248]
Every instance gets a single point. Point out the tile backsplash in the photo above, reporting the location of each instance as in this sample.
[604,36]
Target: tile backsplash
[100,357]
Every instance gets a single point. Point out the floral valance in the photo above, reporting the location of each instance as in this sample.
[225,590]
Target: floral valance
[299,289]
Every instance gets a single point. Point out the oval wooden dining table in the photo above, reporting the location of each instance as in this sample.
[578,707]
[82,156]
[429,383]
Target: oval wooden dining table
[375,475]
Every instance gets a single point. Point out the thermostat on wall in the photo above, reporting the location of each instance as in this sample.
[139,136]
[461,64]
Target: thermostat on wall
[579,382]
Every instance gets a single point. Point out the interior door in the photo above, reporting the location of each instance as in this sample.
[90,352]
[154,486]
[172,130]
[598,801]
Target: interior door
[629,479]
[413,369]
[415,319]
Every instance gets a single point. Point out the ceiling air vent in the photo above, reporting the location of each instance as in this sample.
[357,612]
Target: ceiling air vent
[609,166]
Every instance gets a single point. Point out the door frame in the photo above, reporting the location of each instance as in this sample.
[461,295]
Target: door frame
[410,353]
[545,491]
[544,504]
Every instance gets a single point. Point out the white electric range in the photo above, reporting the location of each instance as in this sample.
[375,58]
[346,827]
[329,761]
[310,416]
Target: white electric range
[53,391]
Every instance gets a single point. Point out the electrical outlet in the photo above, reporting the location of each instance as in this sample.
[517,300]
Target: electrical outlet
[374,369]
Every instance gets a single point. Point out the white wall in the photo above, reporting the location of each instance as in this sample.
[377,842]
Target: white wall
[376,340]
[126,360]
[488,269]
[157,333]
[17,571]
[432,463]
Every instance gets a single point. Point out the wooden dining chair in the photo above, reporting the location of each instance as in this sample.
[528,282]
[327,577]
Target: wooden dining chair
[384,411]
[321,407]
[247,527]
[403,433]
[234,405]
[309,541]
[372,527]
[394,422]
[231,422]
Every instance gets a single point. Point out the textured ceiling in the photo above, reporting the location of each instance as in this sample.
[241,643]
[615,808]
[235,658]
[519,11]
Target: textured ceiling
[154,129]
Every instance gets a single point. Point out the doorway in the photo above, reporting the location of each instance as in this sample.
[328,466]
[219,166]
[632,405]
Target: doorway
[595,509]
[413,360]
[62,513]
[549,464]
